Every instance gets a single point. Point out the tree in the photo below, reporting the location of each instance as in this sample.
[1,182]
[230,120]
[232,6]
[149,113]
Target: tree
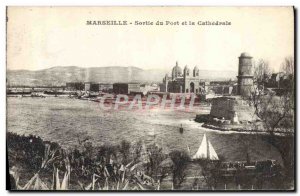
[288,65]
[210,170]
[262,72]
[156,156]
[180,160]
[276,112]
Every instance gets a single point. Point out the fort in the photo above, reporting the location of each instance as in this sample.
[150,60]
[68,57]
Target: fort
[234,109]
[233,112]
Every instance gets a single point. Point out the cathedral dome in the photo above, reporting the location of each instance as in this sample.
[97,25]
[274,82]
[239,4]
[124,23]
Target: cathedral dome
[176,71]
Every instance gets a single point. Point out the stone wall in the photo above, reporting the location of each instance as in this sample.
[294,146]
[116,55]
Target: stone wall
[226,107]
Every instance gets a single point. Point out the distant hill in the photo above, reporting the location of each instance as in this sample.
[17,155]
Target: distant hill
[57,76]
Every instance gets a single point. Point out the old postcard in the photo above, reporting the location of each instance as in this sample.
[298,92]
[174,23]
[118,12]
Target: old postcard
[150,98]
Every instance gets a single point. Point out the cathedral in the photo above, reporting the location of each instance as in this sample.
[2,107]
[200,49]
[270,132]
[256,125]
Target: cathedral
[185,81]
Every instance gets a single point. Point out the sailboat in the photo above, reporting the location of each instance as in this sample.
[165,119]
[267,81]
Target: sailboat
[206,151]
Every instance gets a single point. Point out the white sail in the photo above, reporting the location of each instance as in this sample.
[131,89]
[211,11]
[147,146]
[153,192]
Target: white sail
[212,153]
[202,151]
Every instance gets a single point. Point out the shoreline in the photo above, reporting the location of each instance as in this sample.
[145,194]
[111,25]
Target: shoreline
[221,129]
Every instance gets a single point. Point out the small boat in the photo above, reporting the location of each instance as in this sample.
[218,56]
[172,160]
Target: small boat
[181,129]
[206,151]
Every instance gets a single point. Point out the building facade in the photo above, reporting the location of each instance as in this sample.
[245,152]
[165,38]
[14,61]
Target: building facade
[90,86]
[186,81]
[74,86]
[231,108]
[126,88]
[105,87]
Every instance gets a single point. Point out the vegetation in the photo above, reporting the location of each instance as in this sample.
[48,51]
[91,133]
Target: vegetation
[180,160]
[123,167]
[35,164]
[276,111]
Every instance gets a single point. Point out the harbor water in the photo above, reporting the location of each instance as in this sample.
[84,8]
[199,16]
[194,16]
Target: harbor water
[67,121]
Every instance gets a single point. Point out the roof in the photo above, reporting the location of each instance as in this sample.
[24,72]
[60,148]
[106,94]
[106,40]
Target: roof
[177,69]
[245,54]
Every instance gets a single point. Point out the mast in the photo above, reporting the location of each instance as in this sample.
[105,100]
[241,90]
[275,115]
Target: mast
[189,151]
[207,146]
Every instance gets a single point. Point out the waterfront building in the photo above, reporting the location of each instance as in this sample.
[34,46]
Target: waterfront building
[126,88]
[221,87]
[90,86]
[105,87]
[74,86]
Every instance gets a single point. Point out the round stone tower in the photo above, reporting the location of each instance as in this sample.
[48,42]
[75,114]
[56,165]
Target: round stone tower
[245,76]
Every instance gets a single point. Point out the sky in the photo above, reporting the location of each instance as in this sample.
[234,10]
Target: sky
[44,37]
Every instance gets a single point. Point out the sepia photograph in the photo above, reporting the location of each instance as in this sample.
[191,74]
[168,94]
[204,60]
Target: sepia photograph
[150,98]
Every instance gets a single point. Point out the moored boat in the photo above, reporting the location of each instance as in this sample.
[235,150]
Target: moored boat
[181,129]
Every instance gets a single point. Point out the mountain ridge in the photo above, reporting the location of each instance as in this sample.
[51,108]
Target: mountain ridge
[59,75]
